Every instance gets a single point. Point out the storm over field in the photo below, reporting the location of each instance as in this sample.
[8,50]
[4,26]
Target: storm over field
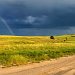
[37,17]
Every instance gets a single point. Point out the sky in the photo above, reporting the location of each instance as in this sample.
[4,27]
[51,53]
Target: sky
[37,17]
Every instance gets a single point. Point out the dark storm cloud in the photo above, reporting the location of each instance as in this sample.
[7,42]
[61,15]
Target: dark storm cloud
[43,14]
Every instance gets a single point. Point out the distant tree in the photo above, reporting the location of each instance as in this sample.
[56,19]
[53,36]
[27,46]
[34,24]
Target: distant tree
[51,37]
[65,39]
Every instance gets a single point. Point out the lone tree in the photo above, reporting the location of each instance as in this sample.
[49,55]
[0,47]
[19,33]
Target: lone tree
[51,37]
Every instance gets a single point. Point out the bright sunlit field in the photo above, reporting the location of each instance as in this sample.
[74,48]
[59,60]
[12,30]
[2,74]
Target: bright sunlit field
[19,50]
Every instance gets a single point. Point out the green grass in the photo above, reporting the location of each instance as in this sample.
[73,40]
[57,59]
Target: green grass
[20,50]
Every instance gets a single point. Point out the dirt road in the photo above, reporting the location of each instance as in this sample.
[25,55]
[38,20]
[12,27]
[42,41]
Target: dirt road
[61,66]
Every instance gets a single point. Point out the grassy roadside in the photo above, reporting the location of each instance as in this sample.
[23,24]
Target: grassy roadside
[25,56]
[22,50]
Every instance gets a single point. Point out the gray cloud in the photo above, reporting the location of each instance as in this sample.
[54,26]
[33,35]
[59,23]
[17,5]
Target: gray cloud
[36,20]
[39,14]
[30,19]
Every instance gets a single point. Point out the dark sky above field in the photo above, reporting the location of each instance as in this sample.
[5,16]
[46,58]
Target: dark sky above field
[37,17]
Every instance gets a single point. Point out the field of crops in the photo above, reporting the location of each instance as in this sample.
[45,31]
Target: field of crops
[18,50]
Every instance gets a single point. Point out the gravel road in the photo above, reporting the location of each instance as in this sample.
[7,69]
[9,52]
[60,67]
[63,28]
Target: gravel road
[60,66]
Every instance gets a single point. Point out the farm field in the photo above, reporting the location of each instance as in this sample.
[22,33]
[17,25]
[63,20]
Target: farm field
[20,50]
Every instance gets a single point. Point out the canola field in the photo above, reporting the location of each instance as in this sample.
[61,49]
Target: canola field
[21,50]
